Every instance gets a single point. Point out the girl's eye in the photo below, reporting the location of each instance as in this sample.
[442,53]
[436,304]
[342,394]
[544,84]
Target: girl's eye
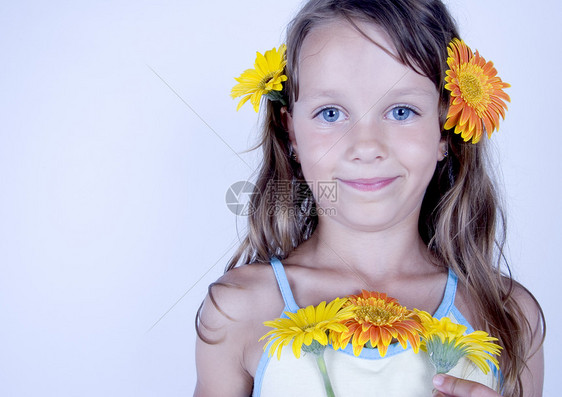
[402,113]
[330,115]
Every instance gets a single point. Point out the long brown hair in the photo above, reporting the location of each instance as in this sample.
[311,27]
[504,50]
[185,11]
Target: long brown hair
[461,219]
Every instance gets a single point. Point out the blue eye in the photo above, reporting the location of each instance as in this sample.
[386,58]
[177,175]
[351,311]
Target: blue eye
[330,115]
[401,113]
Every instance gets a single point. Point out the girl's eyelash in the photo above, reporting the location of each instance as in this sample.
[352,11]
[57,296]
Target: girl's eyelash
[398,106]
[413,109]
[410,107]
[319,112]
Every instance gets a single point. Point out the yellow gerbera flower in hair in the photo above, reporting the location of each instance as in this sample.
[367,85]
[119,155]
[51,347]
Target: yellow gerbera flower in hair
[446,344]
[305,326]
[265,79]
[378,319]
[477,96]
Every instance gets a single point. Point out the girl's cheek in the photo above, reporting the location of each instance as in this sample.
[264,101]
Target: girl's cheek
[317,143]
[317,150]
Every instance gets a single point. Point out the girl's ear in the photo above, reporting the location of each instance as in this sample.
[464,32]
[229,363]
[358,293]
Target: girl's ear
[287,121]
[442,150]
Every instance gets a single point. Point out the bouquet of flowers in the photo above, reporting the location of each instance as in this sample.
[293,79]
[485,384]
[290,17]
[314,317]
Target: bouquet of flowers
[375,320]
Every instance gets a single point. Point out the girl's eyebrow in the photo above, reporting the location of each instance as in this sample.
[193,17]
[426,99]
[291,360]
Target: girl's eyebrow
[403,91]
[315,94]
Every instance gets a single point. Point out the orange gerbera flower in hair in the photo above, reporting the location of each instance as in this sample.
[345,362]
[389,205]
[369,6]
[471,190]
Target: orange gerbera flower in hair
[477,96]
[377,320]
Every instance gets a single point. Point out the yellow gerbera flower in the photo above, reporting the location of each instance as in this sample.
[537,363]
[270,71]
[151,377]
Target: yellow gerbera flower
[378,319]
[446,344]
[306,325]
[477,96]
[265,79]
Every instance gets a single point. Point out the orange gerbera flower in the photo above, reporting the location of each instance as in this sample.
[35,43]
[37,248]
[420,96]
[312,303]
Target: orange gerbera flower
[477,96]
[378,319]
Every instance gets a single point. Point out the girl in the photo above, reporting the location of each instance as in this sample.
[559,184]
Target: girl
[384,196]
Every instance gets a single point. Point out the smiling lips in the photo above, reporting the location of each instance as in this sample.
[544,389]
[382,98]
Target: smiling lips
[369,185]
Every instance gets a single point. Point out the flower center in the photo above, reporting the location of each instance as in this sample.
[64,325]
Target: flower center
[471,88]
[309,327]
[263,85]
[378,315]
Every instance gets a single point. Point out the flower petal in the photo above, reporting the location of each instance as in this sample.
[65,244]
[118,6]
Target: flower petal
[267,75]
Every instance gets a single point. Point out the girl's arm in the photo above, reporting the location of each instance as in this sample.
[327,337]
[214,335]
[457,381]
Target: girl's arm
[231,322]
[533,374]
[219,359]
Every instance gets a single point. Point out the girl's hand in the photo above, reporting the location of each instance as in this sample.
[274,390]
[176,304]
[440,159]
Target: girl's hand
[449,386]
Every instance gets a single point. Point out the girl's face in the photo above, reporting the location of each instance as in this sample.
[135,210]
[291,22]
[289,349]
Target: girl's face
[365,123]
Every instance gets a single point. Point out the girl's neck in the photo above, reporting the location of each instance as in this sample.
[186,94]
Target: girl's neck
[397,251]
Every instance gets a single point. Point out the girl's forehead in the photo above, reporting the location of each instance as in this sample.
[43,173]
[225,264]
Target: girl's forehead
[336,56]
[342,32]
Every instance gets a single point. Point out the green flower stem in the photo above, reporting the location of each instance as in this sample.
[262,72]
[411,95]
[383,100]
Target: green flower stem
[322,367]
[276,96]
[317,350]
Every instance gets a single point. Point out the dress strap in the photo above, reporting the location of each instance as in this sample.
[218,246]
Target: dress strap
[448,301]
[284,287]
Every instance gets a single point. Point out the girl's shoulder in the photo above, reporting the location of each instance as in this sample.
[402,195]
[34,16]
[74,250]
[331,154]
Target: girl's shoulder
[530,307]
[531,310]
[241,297]
[533,332]
[230,324]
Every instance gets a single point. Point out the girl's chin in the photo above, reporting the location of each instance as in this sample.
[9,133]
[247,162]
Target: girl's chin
[367,218]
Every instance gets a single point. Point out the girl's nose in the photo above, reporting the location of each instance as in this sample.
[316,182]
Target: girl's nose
[367,141]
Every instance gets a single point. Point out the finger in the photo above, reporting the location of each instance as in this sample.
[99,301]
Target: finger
[456,387]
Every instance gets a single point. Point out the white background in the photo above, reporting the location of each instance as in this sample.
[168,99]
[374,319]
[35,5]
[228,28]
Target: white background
[112,188]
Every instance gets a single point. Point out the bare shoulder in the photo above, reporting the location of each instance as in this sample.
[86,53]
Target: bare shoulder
[240,294]
[531,309]
[532,375]
[230,324]
[526,302]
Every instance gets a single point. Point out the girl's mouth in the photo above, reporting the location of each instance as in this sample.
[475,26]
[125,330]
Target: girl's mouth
[370,184]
